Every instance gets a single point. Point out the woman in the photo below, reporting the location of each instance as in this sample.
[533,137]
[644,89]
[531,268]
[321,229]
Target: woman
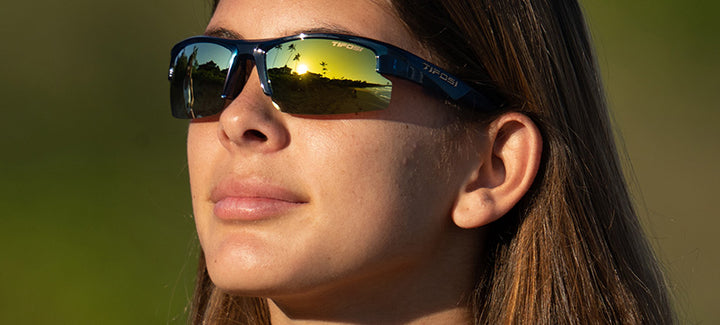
[486,190]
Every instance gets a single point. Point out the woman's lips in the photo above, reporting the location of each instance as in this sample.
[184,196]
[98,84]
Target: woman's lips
[251,208]
[251,200]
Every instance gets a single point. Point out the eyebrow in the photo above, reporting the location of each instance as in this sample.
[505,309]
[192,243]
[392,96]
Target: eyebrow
[328,29]
[221,32]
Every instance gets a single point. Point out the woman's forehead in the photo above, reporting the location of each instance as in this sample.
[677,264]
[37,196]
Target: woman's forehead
[261,19]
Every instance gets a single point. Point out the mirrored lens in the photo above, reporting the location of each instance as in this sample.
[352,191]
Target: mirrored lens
[321,76]
[199,72]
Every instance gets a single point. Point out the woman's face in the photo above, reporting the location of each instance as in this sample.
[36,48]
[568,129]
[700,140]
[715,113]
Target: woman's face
[287,204]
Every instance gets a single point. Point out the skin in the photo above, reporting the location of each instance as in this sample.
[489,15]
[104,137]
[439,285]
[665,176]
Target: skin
[374,221]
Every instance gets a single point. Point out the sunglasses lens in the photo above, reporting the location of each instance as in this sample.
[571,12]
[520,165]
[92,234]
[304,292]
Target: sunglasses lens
[199,72]
[323,76]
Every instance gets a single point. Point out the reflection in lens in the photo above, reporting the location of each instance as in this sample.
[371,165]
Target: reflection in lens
[321,76]
[199,72]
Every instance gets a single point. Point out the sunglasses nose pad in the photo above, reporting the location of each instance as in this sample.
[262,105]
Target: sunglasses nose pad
[239,77]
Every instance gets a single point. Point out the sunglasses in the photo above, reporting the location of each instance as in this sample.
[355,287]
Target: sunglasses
[304,74]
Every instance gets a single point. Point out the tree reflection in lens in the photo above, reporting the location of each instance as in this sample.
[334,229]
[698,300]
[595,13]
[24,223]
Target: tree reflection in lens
[327,78]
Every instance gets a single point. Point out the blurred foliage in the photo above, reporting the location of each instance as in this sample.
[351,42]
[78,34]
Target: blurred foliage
[98,226]
[659,61]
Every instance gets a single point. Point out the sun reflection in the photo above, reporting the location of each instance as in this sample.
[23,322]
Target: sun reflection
[302,69]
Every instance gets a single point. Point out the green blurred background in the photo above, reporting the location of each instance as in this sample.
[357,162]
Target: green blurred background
[98,228]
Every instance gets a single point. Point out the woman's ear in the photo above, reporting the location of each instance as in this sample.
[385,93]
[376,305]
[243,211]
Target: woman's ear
[503,173]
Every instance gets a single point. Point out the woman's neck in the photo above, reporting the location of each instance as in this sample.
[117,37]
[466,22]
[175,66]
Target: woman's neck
[391,314]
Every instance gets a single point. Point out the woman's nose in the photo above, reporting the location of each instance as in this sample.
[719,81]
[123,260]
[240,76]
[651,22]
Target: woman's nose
[251,122]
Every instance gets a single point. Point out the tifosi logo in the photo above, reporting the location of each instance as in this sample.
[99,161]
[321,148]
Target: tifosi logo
[442,75]
[348,46]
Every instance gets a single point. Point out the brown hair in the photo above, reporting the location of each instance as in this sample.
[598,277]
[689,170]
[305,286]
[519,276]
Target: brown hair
[572,250]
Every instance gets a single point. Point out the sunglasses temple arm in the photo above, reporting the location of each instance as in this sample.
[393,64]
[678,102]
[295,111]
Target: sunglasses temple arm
[435,78]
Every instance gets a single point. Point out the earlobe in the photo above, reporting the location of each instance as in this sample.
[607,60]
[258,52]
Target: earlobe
[503,174]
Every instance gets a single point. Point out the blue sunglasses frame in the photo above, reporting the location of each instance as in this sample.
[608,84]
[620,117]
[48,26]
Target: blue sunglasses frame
[390,60]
